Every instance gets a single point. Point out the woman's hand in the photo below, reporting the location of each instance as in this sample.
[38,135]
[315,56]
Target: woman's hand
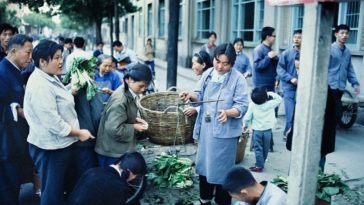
[190,111]
[185,96]
[222,116]
[140,127]
[106,90]
[84,135]
[140,120]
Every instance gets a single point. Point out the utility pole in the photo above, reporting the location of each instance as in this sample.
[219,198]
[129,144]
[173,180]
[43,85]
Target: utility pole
[172,44]
[116,16]
[311,103]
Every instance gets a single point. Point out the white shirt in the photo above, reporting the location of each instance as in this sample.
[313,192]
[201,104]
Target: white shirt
[126,53]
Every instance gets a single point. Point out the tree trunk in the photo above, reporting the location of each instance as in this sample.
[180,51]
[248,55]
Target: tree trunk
[111,34]
[98,22]
[116,16]
[172,44]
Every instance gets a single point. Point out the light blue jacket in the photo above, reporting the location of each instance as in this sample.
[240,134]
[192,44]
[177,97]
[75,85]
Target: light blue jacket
[50,112]
[235,95]
[262,117]
[340,68]
[242,63]
[286,69]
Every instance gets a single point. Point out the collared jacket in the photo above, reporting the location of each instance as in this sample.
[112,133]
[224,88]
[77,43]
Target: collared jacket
[286,69]
[242,63]
[340,68]
[50,111]
[234,95]
[13,144]
[116,133]
[264,68]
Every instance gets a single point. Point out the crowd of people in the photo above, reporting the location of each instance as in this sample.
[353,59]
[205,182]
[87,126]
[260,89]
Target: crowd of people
[79,148]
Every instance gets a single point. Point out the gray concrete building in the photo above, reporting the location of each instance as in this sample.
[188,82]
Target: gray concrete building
[230,19]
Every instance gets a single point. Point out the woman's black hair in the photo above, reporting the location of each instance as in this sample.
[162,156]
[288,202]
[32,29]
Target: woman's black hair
[134,162]
[139,72]
[238,40]
[228,50]
[45,50]
[203,58]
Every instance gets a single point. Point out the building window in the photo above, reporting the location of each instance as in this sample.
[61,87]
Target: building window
[161,18]
[298,12]
[126,25]
[140,26]
[349,13]
[205,18]
[247,19]
[150,20]
[180,19]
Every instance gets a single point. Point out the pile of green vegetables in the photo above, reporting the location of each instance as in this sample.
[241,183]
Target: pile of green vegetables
[171,171]
[328,185]
[82,75]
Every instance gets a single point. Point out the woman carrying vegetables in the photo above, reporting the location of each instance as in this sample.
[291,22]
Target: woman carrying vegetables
[106,79]
[120,122]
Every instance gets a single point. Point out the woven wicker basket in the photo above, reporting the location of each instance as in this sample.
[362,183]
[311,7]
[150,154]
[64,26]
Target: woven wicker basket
[160,111]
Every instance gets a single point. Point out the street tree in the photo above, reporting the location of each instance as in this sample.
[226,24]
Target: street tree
[8,16]
[39,21]
[89,12]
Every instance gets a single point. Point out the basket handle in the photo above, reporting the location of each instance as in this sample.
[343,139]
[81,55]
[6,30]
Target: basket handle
[172,106]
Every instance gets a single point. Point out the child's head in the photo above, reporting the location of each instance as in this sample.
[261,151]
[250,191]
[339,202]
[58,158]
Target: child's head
[259,95]
[240,184]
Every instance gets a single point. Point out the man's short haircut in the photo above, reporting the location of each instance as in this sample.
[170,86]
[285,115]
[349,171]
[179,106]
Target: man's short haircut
[68,40]
[45,50]
[134,162]
[342,27]
[79,42]
[238,178]
[212,33]
[267,31]
[298,31]
[18,40]
[238,40]
[6,26]
[99,43]
[61,39]
[116,43]
[259,95]
[228,50]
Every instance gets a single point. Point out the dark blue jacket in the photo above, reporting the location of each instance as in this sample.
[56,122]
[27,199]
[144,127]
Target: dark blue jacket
[264,68]
[13,144]
[286,69]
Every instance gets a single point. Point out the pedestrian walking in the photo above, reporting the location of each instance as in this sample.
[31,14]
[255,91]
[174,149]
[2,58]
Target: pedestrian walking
[210,46]
[242,63]
[149,52]
[287,70]
[98,51]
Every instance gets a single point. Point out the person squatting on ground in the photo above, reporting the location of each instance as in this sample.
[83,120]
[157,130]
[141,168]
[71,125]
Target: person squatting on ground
[242,186]
[16,165]
[108,185]
[287,69]
[120,121]
[54,128]
[340,71]
[218,124]
[261,117]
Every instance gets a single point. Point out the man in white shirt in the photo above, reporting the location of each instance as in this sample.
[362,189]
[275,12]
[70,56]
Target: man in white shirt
[121,53]
[79,44]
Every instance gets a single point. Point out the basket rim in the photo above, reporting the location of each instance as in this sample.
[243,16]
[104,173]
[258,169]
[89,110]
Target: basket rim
[152,95]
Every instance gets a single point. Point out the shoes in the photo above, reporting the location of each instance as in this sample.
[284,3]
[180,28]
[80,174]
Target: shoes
[271,149]
[284,138]
[256,169]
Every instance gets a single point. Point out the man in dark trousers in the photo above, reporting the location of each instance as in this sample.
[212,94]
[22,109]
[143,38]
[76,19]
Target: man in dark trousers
[340,71]
[108,185]
[15,162]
